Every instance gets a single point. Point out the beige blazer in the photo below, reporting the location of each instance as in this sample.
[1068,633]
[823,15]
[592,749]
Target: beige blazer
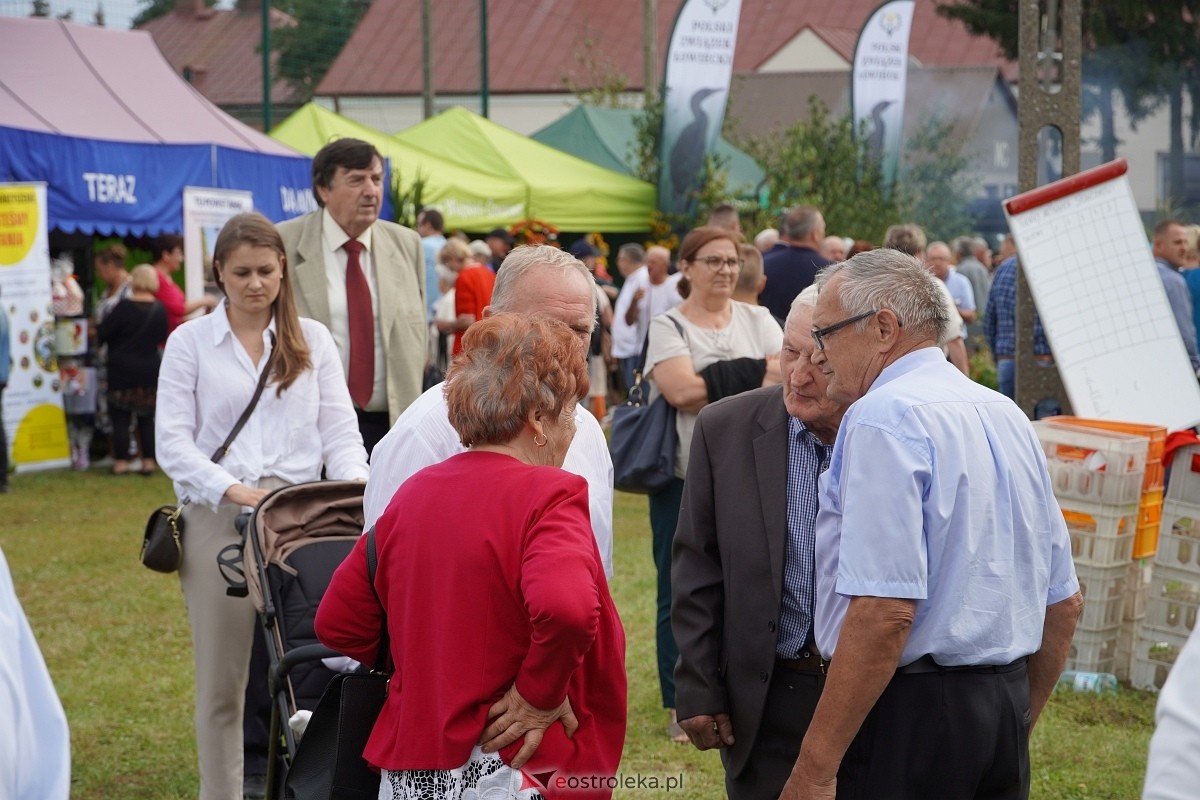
[400,276]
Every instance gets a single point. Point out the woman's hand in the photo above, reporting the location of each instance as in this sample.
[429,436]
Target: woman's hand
[512,717]
[242,495]
[773,374]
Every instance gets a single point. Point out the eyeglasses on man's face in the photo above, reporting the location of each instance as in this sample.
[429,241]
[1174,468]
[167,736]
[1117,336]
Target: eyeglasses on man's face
[819,334]
[715,263]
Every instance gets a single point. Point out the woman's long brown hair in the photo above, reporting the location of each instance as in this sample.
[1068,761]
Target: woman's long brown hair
[291,355]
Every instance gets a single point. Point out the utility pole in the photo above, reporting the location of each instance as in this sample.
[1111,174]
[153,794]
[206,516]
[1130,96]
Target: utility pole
[266,64]
[426,58]
[650,49]
[483,59]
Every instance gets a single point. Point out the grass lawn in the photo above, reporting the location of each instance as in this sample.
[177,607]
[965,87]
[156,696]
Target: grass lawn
[116,639]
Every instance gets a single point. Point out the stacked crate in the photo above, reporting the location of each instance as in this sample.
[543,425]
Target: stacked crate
[1098,477]
[1150,508]
[1174,596]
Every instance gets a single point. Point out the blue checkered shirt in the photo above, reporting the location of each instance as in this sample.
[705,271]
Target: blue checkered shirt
[1000,321]
[807,459]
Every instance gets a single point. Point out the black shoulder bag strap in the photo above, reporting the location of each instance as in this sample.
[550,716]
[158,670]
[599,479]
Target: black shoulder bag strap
[383,654]
[223,450]
[646,345]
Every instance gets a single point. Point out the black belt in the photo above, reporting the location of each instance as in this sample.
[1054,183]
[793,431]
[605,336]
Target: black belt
[809,661]
[926,664]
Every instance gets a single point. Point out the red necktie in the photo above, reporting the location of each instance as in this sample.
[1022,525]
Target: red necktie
[362,327]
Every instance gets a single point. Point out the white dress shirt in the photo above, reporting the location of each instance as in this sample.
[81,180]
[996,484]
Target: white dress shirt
[423,436]
[1173,768]
[35,747]
[339,319]
[205,383]
[937,491]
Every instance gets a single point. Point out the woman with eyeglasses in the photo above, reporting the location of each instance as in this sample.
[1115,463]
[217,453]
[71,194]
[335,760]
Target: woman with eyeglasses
[708,347]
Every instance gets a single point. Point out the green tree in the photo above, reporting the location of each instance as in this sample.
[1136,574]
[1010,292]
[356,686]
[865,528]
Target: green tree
[307,49]
[814,162]
[153,9]
[1143,51]
[934,187]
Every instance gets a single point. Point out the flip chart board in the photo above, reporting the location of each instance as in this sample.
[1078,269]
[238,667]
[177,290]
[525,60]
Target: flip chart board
[1084,253]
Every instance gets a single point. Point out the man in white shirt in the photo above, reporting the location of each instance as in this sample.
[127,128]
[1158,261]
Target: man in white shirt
[35,748]
[938,260]
[648,292]
[532,280]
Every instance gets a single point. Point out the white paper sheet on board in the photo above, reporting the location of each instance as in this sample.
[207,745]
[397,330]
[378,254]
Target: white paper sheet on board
[1102,303]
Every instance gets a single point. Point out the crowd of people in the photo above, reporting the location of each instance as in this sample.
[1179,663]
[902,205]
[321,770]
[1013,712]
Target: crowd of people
[864,581]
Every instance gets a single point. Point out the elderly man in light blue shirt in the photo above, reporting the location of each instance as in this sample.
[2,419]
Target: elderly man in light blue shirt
[946,598]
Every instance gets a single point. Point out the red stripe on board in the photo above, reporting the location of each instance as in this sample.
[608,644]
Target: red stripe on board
[1061,188]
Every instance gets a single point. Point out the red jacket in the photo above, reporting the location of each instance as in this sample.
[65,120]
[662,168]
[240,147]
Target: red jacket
[472,293]
[490,575]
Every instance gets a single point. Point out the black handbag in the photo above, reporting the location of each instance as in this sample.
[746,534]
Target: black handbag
[643,439]
[162,548]
[329,763]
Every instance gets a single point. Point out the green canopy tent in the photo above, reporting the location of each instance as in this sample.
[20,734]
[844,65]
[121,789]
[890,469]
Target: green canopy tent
[607,137]
[568,192]
[469,199]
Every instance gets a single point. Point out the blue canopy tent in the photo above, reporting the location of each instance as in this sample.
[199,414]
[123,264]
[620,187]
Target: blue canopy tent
[116,135]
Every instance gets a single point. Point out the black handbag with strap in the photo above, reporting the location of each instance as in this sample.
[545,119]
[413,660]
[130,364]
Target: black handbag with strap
[643,439]
[329,763]
[162,547]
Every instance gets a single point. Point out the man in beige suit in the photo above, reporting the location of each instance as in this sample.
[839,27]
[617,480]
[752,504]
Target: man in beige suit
[348,185]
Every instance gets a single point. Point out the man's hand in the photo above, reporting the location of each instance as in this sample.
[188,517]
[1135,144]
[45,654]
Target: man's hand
[708,731]
[512,717]
[242,495]
[802,785]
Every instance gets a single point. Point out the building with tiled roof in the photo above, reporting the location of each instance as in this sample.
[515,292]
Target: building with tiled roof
[217,52]
[536,48]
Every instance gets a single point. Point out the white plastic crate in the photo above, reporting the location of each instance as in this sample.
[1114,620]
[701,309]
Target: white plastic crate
[1093,465]
[1179,536]
[1126,642]
[1183,481]
[1153,658]
[1094,651]
[1101,535]
[1173,603]
[1137,589]
[1103,590]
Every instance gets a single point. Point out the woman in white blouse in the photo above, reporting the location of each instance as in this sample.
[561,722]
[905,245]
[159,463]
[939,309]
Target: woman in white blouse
[303,420]
[708,347]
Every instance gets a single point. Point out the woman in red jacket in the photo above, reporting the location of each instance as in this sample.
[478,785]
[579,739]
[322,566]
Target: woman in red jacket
[509,655]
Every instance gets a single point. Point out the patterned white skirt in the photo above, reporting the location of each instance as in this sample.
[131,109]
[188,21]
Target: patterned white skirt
[484,777]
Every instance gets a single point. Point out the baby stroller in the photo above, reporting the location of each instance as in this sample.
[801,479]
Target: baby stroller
[296,537]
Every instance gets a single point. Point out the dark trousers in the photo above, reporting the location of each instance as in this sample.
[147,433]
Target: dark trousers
[373,425]
[121,421]
[256,716]
[791,699]
[955,735]
[664,518]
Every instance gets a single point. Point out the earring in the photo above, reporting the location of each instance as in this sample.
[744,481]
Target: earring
[542,443]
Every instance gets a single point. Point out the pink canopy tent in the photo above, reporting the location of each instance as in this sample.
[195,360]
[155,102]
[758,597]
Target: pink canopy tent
[79,101]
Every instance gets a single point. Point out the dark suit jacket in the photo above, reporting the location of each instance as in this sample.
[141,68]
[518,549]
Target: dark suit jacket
[727,563]
[400,278]
[789,270]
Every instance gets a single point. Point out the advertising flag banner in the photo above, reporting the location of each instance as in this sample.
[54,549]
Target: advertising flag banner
[33,417]
[205,212]
[878,83]
[696,89]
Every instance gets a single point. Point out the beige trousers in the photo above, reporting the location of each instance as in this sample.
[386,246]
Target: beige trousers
[223,628]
